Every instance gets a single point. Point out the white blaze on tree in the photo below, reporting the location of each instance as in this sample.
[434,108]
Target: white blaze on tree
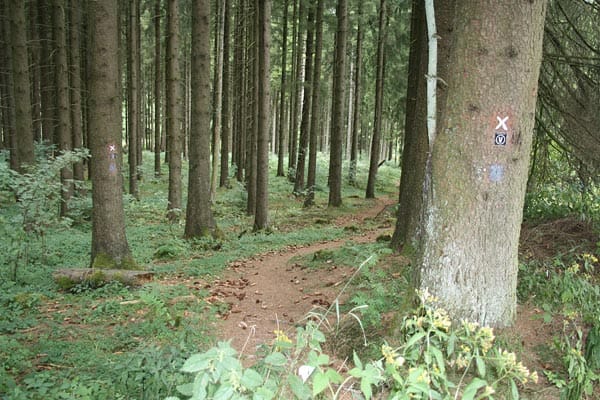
[479,160]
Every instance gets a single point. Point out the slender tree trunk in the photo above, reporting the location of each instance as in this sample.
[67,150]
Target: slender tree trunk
[376,138]
[281,132]
[415,149]
[9,128]
[357,98]
[110,249]
[252,107]
[35,71]
[217,98]
[133,87]
[226,105]
[199,218]
[315,114]
[337,107]
[75,72]
[296,91]
[306,103]
[261,217]
[20,68]
[47,92]
[173,112]
[157,87]
[479,160]
[61,79]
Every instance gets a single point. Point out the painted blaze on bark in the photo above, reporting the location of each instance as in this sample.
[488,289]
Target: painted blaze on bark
[480,159]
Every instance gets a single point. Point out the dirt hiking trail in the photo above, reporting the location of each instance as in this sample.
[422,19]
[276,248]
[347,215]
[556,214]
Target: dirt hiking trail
[270,292]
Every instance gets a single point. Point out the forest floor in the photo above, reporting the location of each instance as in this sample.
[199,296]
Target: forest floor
[273,292]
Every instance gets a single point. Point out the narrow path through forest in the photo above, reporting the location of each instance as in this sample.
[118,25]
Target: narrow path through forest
[270,292]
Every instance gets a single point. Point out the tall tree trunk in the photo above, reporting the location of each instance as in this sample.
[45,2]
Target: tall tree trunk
[174,110]
[157,87]
[261,216]
[307,98]
[75,72]
[35,71]
[199,218]
[337,106]
[376,138]
[226,104]
[63,103]
[414,152]
[298,51]
[239,84]
[133,88]
[109,243]
[8,99]
[47,91]
[252,108]
[357,98]
[20,69]
[281,131]
[479,160]
[315,114]
[217,115]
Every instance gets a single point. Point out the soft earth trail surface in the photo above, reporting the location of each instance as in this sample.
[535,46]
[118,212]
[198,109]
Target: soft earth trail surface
[270,292]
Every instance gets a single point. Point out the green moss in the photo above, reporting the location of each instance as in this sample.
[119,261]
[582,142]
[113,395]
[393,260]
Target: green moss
[65,283]
[104,261]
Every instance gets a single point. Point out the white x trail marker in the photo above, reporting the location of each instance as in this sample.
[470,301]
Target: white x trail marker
[502,123]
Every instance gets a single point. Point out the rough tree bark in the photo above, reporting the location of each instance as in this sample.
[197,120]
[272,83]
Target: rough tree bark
[261,216]
[173,111]
[480,158]
[110,249]
[199,218]
[337,107]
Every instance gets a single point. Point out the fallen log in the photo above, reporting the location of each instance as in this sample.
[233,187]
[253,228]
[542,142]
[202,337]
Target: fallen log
[69,277]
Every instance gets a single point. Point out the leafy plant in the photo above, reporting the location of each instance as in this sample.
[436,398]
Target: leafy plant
[37,193]
[577,382]
[433,361]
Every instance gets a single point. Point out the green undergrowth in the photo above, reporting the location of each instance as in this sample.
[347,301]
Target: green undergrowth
[119,342]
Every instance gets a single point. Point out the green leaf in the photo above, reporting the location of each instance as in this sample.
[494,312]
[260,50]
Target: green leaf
[365,388]
[480,366]
[186,389]
[196,363]
[414,339]
[251,379]
[357,361]
[320,383]
[300,390]
[472,388]
[276,359]
[513,390]
[225,392]
[262,393]
[333,376]
[439,358]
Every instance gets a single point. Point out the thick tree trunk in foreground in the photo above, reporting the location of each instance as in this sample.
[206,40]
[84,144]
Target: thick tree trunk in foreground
[110,249]
[199,218]
[480,159]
